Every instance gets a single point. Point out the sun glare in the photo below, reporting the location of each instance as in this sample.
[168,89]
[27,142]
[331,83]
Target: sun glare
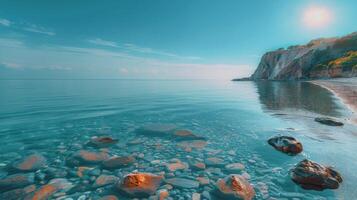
[317,17]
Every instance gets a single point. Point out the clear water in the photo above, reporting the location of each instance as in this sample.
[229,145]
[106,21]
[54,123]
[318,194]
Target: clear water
[57,117]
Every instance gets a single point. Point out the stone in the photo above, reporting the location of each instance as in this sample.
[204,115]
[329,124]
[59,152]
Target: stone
[313,176]
[234,187]
[19,193]
[102,142]
[109,197]
[186,135]
[192,144]
[176,166]
[183,183]
[328,121]
[139,185]
[234,167]
[16,181]
[84,157]
[203,180]
[160,130]
[47,191]
[215,162]
[286,144]
[195,165]
[118,162]
[104,180]
[163,194]
[196,196]
[29,163]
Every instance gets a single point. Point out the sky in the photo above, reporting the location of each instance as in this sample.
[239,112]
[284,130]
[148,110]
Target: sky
[158,39]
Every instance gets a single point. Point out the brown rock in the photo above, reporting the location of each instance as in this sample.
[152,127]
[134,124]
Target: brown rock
[118,162]
[101,142]
[16,181]
[31,162]
[104,180]
[286,144]
[84,157]
[313,176]
[47,191]
[234,187]
[139,185]
[203,180]
[176,166]
[198,165]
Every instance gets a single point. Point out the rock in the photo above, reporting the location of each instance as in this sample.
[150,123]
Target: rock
[203,180]
[182,183]
[104,180]
[29,163]
[19,193]
[194,144]
[139,185]
[118,162]
[176,166]
[101,142]
[85,157]
[328,121]
[186,135]
[313,176]
[234,187]
[16,181]
[160,130]
[47,191]
[215,162]
[196,196]
[82,170]
[109,197]
[286,144]
[195,165]
[234,167]
[163,194]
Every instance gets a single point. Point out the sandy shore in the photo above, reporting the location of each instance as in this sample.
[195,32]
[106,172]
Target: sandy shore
[345,89]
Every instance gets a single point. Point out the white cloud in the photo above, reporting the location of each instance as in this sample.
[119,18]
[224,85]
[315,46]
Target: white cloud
[5,22]
[10,65]
[38,29]
[102,42]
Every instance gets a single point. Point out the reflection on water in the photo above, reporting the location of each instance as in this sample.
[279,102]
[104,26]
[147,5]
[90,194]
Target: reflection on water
[279,96]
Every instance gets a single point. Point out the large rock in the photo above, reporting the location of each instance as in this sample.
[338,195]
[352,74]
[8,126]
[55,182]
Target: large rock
[286,144]
[16,181]
[47,191]
[186,135]
[160,130]
[313,176]
[139,185]
[84,157]
[234,187]
[29,163]
[328,121]
[101,142]
[183,183]
[118,162]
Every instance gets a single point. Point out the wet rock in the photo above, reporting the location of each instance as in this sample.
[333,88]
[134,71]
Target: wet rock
[234,187]
[139,185]
[196,196]
[215,162]
[160,130]
[186,135]
[286,144]
[313,176]
[47,191]
[135,141]
[102,142]
[163,194]
[109,197]
[178,165]
[182,183]
[194,144]
[82,170]
[118,162]
[19,193]
[87,158]
[234,167]
[16,181]
[198,165]
[203,180]
[328,121]
[104,180]
[29,163]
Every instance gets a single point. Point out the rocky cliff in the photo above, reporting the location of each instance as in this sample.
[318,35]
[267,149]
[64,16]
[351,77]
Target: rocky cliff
[320,58]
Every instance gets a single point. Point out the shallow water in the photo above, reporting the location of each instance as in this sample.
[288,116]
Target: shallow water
[58,117]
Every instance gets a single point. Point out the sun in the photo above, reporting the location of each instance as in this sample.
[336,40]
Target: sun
[317,17]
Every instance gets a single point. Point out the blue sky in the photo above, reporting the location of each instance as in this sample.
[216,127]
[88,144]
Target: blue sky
[177,39]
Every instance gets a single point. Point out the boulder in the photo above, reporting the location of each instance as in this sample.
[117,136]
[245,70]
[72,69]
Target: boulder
[102,142]
[183,183]
[16,181]
[139,185]
[84,157]
[234,187]
[118,162]
[186,135]
[328,121]
[29,163]
[286,144]
[313,176]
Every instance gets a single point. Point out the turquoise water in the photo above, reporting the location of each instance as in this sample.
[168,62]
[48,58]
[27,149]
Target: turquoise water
[57,117]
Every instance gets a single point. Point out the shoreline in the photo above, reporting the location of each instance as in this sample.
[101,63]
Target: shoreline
[344,89]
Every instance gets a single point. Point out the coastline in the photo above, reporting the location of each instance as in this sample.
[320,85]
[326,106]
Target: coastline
[345,89]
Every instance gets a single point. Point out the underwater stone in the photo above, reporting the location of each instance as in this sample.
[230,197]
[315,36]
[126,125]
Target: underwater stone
[16,181]
[160,130]
[118,162]
[87,157]
[313,176]
[182,183]
[214,161]
[101,142]
[234,187]
[234,167]
[104,180]
[286,144]
[186,135]
[31,162]
[109,197]
[328,121]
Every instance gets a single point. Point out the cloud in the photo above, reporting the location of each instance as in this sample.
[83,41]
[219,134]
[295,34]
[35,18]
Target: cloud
[38,29]
[5,22]
[10,65]
[102,42]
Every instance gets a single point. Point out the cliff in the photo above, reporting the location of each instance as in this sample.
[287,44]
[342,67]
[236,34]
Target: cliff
[320,58]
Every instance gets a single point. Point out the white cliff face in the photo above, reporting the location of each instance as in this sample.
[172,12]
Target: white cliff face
[296,62]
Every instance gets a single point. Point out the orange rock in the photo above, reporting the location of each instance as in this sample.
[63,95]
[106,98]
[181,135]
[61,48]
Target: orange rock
[140,184]
[109,197]
[103,141]
[32,162]
[234,187]
[176,166]
[44,192]
[81,169]
[163,194]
